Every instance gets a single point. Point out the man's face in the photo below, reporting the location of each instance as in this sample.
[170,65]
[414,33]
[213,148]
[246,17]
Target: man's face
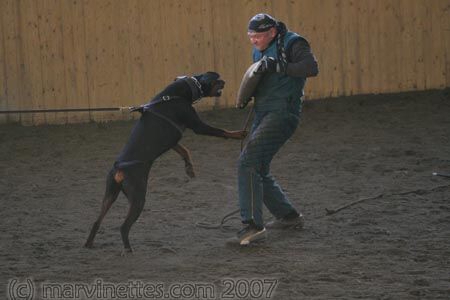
[261,40]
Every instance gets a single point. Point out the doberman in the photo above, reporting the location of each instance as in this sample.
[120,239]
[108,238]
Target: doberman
[159,129]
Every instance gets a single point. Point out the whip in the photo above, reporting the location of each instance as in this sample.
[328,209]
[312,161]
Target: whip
[229,216]
[245,126]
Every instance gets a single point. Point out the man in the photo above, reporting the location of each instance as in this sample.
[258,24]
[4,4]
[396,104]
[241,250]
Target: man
[286,62]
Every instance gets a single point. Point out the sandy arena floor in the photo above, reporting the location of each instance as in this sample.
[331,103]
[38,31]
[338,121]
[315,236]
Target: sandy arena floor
[394,246]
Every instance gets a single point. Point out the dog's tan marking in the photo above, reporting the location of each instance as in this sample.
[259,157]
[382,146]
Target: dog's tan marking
[119,176]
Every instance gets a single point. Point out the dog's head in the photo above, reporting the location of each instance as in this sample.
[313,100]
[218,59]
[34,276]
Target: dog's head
[211,84]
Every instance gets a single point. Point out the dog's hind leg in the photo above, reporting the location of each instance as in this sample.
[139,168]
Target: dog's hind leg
[136,198]
[113,187]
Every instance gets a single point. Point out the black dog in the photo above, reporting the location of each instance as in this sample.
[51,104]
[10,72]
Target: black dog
[159,129]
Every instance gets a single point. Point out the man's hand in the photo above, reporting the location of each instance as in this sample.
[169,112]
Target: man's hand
[243,104]
[238,134]
[270,65]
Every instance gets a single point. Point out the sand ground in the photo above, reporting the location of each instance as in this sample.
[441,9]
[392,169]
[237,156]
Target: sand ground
[396,246]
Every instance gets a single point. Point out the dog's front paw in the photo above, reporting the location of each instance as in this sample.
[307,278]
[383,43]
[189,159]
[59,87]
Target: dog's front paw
[190,170]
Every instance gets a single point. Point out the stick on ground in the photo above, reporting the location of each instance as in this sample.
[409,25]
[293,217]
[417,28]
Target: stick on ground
[418,192]
[333,211]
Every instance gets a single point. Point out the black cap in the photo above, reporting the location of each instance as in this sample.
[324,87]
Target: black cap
[261,23]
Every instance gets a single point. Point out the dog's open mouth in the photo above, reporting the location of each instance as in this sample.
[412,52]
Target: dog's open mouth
[218,88]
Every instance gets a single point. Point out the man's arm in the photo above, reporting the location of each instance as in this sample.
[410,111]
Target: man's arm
[301,61]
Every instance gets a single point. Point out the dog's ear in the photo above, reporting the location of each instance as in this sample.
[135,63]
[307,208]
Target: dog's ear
[180,77]
[210,75]
[207,78]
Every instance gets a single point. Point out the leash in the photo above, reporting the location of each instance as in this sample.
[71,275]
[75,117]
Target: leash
[221,225]
[230,215]
[225,219]
[33,111]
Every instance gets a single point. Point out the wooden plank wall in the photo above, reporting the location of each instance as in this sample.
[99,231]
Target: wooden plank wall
[108,53]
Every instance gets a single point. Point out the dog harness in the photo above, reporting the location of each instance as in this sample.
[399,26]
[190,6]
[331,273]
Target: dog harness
[197,94]
[193,83]
[196,87]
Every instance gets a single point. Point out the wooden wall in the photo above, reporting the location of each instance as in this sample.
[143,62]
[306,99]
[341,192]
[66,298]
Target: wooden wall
[107,53]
